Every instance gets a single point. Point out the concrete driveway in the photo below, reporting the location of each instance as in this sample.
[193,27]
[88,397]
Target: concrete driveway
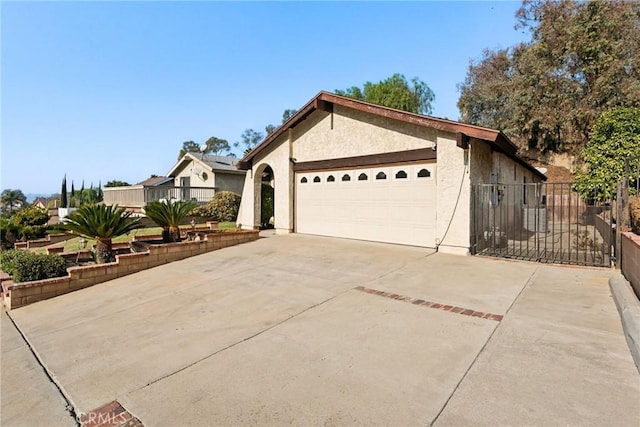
[317,331]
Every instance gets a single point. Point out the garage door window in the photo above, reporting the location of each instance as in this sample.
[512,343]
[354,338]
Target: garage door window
[316,179]
[346,177]
[401,175]
[381,175]
[363,177]
[330,178]
[303,180]
[424,173]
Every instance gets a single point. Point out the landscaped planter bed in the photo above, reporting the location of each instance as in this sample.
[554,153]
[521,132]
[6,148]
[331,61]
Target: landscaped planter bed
[20,294]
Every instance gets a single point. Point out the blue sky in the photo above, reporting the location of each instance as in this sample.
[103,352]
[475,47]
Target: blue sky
[110,90]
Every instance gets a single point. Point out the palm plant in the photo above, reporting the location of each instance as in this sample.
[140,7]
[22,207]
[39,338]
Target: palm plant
[12,198]
[168,215]
[103,223]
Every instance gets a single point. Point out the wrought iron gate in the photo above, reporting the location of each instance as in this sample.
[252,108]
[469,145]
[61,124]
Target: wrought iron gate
[541,222]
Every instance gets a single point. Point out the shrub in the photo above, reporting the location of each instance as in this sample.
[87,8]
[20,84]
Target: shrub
[266,207]
[9,260]
[223,207]
[30,222]
[634,213]
[8,233]
[26,266]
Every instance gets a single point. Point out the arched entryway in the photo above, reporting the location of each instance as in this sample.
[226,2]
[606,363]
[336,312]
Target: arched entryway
[264,191]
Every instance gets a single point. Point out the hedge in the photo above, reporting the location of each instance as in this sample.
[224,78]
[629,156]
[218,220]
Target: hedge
[24,266]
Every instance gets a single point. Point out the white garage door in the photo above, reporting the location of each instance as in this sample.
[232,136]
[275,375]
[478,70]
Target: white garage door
[394,204]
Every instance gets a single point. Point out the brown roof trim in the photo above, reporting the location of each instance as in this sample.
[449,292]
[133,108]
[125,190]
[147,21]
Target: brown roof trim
[422,154]
[324,101]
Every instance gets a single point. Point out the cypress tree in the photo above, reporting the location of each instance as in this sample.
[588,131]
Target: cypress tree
[63,192]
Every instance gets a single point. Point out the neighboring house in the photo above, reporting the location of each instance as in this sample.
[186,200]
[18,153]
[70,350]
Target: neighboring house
[203,170]
[346,168]
[49,204]
[46,203]
[195,177]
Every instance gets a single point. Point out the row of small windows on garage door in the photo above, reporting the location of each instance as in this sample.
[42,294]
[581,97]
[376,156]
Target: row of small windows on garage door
[401,174]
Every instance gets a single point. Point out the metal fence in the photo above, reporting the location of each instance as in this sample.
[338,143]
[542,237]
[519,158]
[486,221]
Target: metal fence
[541,222]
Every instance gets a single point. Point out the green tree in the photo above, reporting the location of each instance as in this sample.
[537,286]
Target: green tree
[615,137]
[248,140]
[395,92]
[188,147]
[583,59]
[73,195]
[217,146]
[269,129]
[287,114]
[64,203]
[116,183]
[168,215]
[90,196]
[30,222]
[103,223]
[12,199]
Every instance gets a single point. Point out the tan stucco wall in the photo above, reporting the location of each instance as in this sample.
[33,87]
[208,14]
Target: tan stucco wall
[355,133]
[278,159]
[452,216]
[195,180]
[485,161]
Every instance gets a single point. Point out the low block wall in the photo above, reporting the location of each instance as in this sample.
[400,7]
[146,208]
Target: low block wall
[630,262]
[51,239]
[20,294]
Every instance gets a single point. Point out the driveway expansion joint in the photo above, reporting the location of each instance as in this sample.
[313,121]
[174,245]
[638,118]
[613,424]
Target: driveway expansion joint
[184,368]
[69,407]
[430,304]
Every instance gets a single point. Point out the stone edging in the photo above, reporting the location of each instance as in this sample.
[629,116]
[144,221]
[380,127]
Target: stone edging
[629,309]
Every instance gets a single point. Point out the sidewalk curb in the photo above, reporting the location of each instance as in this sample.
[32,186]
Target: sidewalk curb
[629,309]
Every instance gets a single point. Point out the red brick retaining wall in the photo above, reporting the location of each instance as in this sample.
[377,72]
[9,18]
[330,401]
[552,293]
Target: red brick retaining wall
[20,294]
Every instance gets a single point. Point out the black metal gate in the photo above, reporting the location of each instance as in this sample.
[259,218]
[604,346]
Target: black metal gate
[541,222]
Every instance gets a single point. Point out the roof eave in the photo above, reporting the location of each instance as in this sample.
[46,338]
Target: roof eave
[325,101]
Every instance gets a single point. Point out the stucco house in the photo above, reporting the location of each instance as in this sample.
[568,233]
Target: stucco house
[203,170]
[345,168]
[194,177]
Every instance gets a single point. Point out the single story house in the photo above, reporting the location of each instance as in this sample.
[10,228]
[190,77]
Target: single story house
[203,170]
[346,168]
[194,177]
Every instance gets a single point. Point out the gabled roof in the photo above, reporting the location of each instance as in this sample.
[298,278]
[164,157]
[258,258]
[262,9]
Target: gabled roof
[45,200]
[155,181]
[207,162]
[325,101]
